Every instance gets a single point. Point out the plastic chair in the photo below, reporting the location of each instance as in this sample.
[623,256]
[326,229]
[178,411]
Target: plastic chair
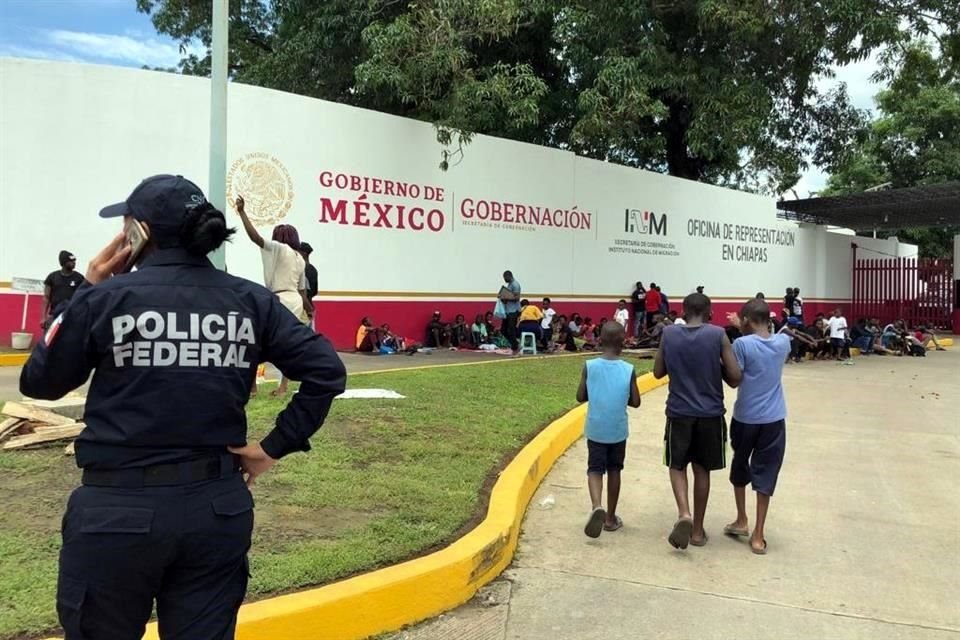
[528,343]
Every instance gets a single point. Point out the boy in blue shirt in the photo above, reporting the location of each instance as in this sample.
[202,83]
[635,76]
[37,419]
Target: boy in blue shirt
[758,431]
[610,385]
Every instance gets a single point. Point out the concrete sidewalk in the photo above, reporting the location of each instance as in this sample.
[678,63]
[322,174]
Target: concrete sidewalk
[863,531]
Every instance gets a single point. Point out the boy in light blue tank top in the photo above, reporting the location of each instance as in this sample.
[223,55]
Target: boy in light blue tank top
[610,386]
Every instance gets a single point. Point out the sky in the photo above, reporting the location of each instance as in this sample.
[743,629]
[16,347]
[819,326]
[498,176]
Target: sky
[114,32]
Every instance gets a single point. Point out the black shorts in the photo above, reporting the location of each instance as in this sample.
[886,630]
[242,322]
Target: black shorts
[702,441]
[757,454]
[605,456]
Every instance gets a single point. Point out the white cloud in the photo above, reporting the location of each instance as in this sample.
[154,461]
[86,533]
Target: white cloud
[124,49]
[856,75]
[17,51]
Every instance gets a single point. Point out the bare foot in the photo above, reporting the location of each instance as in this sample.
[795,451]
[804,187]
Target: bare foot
[277,393]
[759,547]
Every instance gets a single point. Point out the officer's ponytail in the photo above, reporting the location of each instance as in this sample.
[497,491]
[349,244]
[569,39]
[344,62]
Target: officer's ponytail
[204,229]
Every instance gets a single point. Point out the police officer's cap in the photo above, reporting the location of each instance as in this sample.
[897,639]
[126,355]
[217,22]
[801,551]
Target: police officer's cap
[162,201]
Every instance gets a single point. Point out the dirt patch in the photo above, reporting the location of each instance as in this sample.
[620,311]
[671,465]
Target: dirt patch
[290,523]
[34,498]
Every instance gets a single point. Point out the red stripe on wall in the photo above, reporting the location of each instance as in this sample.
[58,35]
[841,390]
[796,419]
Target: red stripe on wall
[338,320]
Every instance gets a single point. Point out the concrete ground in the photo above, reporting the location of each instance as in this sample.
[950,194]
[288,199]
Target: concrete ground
[863,531]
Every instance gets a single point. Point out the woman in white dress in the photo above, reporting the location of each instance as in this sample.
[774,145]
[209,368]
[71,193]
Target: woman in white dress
[283,272]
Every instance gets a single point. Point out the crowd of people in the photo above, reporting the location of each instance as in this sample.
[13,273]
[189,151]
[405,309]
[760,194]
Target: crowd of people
[831,337]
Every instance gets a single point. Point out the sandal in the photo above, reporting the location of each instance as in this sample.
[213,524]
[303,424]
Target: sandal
[733,530]
[617,524]
[594,524]
[680,536]
[761,551]
[702,542]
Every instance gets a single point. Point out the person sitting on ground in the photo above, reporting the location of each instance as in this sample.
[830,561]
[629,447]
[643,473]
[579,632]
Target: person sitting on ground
[758,429]
[561,332]
[459,333]
[529,320]
[609,384]
[818,344]
[589,333]
[391,341]
[438,332]
[651,337]
[478,332]
[675,319]
[492,332]
[926,335]
[621,316]
[800,342]
[368,339]
[861,338]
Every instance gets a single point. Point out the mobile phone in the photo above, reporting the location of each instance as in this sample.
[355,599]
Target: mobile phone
[136,238]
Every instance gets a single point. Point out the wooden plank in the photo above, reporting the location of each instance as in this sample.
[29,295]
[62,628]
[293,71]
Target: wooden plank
[8,426]
[35,414]
[48,434]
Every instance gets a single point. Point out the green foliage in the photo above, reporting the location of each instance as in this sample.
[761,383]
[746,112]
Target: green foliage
[724,91]
[914,140]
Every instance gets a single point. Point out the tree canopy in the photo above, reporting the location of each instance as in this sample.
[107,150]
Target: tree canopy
[724,91]
[914,139]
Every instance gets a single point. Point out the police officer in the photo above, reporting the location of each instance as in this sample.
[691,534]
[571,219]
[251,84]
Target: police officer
[164,513]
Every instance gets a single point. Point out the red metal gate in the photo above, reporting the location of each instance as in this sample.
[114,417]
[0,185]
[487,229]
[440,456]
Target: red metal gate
[918,290]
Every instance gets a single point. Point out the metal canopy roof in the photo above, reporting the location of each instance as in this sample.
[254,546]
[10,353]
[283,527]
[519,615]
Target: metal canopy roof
[930,206]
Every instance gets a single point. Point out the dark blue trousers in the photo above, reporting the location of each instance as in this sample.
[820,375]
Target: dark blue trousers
[183,547]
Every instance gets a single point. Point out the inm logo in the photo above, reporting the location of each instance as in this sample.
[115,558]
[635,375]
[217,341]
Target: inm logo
[644,222]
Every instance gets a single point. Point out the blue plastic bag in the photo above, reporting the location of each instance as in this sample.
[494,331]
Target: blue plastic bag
[499,310]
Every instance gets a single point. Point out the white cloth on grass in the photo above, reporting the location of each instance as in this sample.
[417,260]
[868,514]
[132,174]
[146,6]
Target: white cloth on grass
[366,394]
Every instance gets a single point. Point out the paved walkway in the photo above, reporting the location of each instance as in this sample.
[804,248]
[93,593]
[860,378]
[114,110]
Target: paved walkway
[864,530]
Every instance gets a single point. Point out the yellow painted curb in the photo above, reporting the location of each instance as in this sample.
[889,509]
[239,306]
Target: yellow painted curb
[13,359]
[392,598]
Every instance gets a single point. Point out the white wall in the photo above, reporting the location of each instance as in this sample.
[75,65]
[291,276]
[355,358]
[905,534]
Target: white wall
[76,137]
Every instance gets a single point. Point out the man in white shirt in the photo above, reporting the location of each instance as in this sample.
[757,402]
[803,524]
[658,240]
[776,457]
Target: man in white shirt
[839,335]
[546,325]
[622,316]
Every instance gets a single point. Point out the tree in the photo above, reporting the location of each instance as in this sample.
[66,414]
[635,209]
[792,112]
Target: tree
[723,91]
[914,140]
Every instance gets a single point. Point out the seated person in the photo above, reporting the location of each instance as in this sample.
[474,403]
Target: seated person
[387,339]
[492,331]
[438,333]
[478,332]
[459,332]
[589,334]
[529,321]
[650,338]
[367,337]
[800,342]
[926,335]
[861,338]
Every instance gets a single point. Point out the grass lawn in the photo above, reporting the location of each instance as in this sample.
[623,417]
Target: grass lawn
[386,480]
